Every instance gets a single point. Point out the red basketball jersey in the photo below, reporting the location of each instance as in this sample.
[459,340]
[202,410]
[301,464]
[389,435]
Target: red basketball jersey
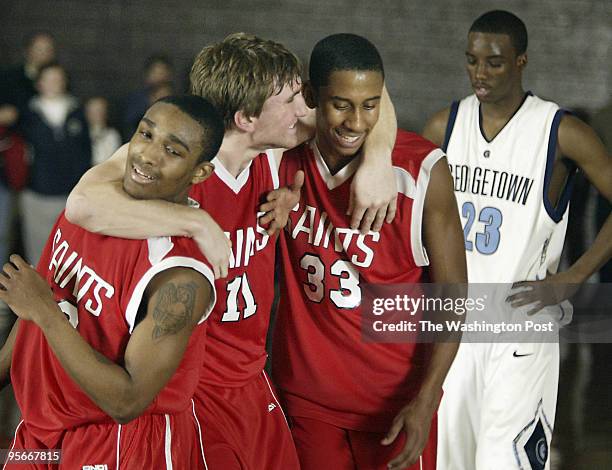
[320,361]
[237,328]
[99,281]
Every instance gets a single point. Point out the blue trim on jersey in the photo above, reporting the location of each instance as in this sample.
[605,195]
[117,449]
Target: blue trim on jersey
[556,213]
[452,117]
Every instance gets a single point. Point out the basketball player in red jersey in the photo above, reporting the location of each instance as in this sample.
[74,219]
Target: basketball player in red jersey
[345,396]
[109,356]
[256,86]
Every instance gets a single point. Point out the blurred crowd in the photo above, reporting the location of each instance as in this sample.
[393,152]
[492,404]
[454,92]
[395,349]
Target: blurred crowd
[48,139]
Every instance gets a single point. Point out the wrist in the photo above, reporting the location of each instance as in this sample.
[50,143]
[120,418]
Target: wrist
[50,318]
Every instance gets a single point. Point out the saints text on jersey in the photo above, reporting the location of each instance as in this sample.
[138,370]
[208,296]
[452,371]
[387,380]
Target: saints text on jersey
[72,269]
[319,231]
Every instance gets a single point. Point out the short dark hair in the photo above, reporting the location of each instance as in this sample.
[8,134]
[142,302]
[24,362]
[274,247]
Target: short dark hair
[157,59]
[206,116]
[339,52]
[503,22]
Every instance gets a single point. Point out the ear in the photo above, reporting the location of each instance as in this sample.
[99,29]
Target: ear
[202,172]
[243,122]
[521,61]
[310,95]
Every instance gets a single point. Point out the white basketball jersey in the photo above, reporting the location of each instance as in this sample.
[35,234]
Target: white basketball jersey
[511,231]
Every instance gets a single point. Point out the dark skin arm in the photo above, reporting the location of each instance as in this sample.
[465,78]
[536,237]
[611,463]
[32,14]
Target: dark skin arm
[443,238]
[174,302]
[6,354]
[579,143]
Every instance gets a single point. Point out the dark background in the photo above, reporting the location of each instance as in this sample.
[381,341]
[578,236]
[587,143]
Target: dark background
[103,43]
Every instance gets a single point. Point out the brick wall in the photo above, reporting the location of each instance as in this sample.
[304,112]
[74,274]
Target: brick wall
[103,43]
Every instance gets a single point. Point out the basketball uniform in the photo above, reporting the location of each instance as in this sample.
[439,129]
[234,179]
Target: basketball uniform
[243,424]
[499,404]
[99,282]
[331,381]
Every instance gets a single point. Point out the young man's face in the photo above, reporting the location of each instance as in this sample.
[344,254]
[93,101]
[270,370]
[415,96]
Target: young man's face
[52,82]
[276,126]
[163,155]
[347,110]
[493,66]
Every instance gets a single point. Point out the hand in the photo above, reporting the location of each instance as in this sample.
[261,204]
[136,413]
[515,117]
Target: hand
[552,290]
[373,197]
[25,291]
[279,204]
[8,115]
[214,245]
[415,419]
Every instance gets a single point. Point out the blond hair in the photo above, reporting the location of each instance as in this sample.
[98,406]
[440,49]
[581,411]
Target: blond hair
[241,72]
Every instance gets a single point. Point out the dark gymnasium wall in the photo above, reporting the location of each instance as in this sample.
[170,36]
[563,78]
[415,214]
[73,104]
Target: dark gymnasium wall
[103,43]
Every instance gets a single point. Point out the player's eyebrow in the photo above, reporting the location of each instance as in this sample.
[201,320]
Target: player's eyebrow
[172,137]
[341,98]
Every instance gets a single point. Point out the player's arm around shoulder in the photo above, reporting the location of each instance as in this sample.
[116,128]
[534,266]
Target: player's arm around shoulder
[435,128]
[90,194]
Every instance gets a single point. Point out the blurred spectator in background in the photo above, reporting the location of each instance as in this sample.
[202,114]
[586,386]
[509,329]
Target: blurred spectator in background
[104,139]
[17,84]
[54,125]
[158,78]
[17,87]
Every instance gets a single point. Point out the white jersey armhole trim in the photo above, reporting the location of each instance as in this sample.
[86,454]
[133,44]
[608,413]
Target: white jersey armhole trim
[197,420]
[168,444]
[14,441]
[118,444]
[171,262]
[416,227]
[273,167]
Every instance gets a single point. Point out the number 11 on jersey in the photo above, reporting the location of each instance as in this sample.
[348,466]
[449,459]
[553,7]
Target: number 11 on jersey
[239,286]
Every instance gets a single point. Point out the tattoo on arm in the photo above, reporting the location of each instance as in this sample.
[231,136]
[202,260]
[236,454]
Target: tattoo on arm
[174,309]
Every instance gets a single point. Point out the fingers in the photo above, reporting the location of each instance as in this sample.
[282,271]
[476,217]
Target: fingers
[391,210]
[268,217]
[19,261]
[357,217]
[298,181]
[394,430]
[379,220]
[406,458]
[367,220]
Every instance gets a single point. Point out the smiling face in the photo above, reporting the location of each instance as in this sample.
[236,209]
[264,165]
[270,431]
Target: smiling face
[493,66]
[276,125]
[163,155]
[347,110]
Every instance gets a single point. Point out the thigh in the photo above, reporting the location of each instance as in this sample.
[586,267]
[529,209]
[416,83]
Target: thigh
[518,407]
[245,428]
[320,445]
[459,414]
[370,454]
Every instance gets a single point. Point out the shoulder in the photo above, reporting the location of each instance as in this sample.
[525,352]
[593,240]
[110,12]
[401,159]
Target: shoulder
[577,140]
[435,128]
[413,158]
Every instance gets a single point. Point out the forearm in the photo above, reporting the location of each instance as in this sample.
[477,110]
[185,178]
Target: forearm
[379,144]
[596,256]
[6,355]
[107,384]
[441,359]
[109,210]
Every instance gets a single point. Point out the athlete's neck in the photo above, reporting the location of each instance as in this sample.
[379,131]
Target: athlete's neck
[236,152]
[504,108]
